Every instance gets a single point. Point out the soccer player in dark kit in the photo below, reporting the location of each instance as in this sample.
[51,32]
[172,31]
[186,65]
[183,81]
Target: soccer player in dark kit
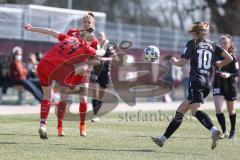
[100,75]
[201,53]
[225,87]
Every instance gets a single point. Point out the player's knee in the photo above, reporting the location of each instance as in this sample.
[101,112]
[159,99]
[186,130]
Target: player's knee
[101,97]
[232,111]
[69,101]
[83,99]
[194,112]
[47,97]
[194,108]
[218,109]
[63,102]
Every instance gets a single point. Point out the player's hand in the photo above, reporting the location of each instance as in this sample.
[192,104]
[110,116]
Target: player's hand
[173,60]
[28,27]
[225,75]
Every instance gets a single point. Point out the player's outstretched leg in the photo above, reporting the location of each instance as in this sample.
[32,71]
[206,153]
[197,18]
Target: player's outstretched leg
[172,127]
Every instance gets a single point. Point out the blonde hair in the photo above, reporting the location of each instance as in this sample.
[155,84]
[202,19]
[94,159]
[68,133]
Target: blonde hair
[232,49]
[201,30]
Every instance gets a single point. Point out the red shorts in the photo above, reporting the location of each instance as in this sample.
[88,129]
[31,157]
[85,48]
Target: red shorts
[75,80]
[63,74]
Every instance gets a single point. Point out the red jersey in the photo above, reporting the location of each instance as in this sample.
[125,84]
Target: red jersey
[69,50]
[76,33]
[57,63]
[94,43]
[78,79]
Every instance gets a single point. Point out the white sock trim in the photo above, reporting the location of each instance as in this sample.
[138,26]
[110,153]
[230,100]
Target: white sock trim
[163,138]
[213,129]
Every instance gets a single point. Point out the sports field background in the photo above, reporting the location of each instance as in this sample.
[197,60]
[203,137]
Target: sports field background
[113,137]
[124,133]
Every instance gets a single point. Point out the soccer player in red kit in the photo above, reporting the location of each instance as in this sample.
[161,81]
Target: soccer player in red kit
[76,80]
[58,64]
[65,100]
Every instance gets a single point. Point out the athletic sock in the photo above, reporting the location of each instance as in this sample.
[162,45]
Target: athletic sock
[174,124]
[83,112]
[163,138]
[204,119]
[97,105]
[45,108]
[233,121]
[222,121]
[94,104]
[61,113]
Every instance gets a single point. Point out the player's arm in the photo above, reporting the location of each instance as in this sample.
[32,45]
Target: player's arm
[97,55]
[227,59]
[178,62]
[42,30]
[113,58]
[228,74]
[184,57]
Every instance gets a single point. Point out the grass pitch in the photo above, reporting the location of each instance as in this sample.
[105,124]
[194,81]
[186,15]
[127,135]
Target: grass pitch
[115,137]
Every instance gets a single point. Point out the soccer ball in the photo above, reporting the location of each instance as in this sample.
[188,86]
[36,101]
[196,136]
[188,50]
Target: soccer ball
[151,53]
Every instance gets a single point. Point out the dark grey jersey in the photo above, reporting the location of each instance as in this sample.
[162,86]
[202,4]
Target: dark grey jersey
[202,57]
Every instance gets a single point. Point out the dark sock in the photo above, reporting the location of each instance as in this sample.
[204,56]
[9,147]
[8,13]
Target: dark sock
[174,124]
[94,103]
[233,121]
[222,122]
[99,105]
[96,106]
[204,119]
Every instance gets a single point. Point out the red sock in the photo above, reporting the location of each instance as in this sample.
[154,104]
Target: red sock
[83,111]
[45,107]
[61,112]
